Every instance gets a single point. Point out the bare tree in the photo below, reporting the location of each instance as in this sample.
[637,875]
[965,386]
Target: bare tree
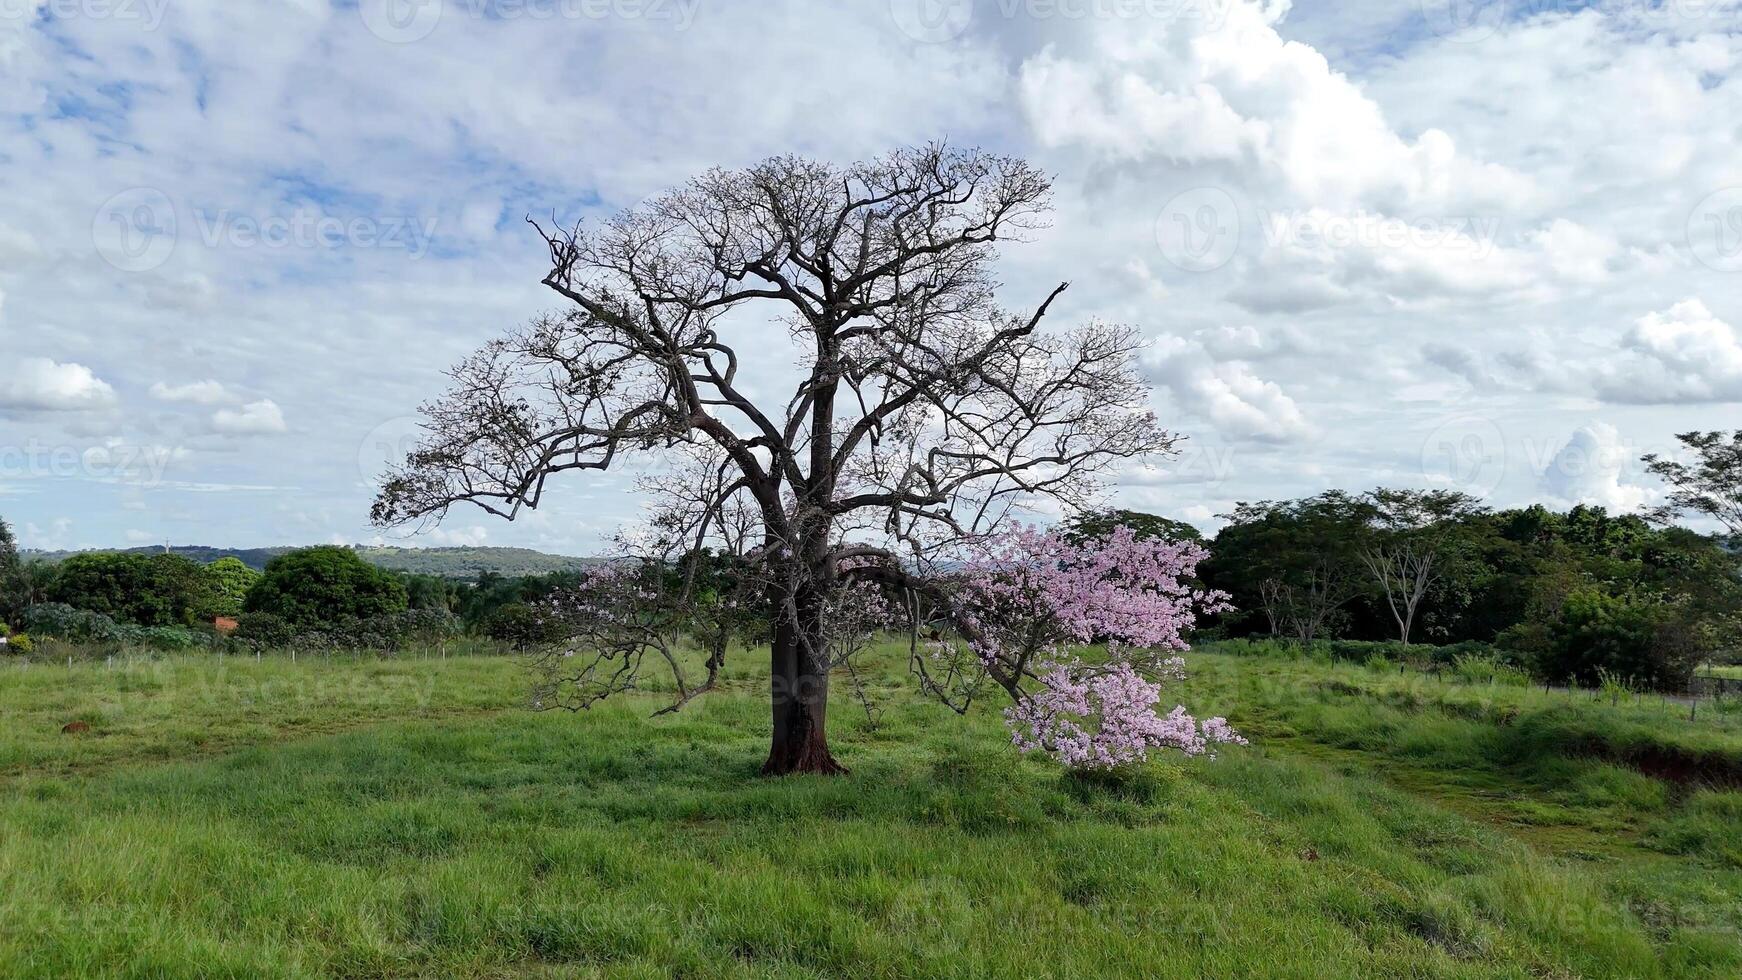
[1310,605]
[1404,553]
[1273,599]
[923,412]
[1405,571]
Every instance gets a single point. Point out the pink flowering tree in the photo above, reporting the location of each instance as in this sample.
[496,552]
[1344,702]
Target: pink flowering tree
[1027,601]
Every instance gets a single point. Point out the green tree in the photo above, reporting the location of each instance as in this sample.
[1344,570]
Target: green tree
[1097,524]
[148,590]
[1293,566]
[1711,485]
[14,586]
[325,585]
[1411,545]
[228,583]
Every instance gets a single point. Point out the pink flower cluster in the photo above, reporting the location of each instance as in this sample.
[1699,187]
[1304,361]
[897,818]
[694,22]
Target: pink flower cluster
[1120,589]
[1028,596]
[1104,719]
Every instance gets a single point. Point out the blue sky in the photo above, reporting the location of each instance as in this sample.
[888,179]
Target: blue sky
[1492,246]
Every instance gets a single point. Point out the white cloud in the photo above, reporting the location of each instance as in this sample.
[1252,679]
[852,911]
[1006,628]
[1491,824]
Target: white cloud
[255,418]
[1227,393]
[1592,468]
[44,385]
[473,536]
[1683,355]
[1231,90]
[195,392]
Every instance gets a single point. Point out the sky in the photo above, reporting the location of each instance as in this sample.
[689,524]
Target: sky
[1486,245]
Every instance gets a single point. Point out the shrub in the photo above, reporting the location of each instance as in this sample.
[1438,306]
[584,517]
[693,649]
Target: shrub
[315,588]
[521,625]
[1643,638]
[62,622]
[168,638]
[263,630]
[20,645]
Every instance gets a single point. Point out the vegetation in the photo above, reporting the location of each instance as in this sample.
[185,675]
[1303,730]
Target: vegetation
[1569,595]
[395,818]
[230,581]
[464,563]
[13,582]
[325,586]
[147,590]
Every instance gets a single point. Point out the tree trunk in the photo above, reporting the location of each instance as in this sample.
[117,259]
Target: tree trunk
[800,697]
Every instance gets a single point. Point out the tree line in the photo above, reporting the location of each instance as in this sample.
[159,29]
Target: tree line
[325,596]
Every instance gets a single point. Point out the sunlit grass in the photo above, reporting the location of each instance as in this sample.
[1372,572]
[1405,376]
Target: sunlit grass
[409,818]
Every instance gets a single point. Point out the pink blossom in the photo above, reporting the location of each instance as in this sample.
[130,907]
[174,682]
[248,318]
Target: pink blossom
[1029,596]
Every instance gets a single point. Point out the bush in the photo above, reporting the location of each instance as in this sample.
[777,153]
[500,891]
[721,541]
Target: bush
[20,645]
[62,622]
[314,588]
[169,639]
[521,625]
[263,630]
[1643,638]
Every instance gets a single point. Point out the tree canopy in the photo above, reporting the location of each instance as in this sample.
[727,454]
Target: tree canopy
[324,585]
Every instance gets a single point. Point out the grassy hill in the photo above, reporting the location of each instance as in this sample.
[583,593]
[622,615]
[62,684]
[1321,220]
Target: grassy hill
[461,563]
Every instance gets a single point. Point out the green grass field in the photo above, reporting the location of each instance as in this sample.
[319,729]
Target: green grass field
[410,818]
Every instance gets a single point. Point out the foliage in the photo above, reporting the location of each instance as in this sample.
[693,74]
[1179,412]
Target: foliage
[1642,638]
[230,581]
[13,582]
[1435,565]
[523,626]
[142,589]
[168,638]
[1711,485]
[62,622]
[20,645]
[1094,525]
[1290,567]
[263,630]
[319,586]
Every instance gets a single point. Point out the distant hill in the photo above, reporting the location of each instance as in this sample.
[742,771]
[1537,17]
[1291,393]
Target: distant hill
[459,563]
